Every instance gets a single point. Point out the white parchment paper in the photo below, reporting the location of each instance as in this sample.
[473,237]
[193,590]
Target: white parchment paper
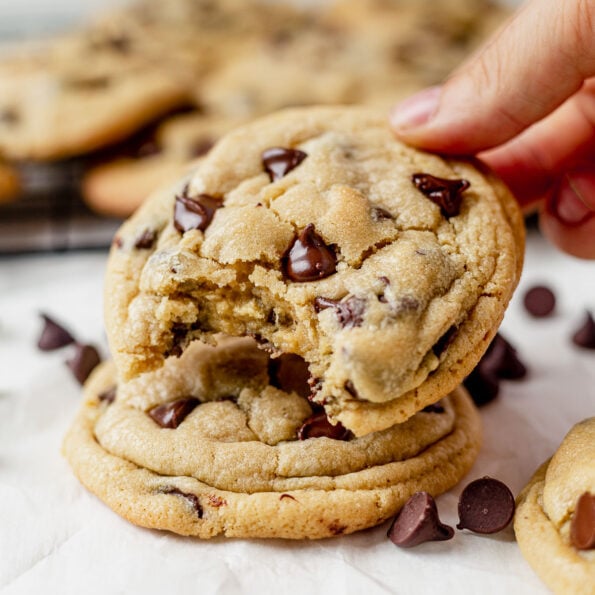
[57,538]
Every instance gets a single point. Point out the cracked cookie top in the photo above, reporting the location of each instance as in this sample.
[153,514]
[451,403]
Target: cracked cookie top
[317,233]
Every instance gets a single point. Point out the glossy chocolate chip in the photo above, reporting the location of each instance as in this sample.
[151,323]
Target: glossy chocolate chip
[289,372]
[107,396]
[585,336]
[380,214]
[145,240]
[482,387]
[171,415]
[278,162]
[318,426]
[418,522]
[53,335]
[196,212]
[445,193]
[350,312]
[83,362]
[486,506]
[309,258]
[445,340]
[192,498]
[539,301]
[582,527]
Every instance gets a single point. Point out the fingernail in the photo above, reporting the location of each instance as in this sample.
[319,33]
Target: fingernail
[415,110]
[569,206]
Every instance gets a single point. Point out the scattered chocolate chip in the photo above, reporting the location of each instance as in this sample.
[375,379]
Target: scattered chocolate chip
[107,396]
[278,161]
[282,496]
[500,361]
[289,372]
[350,311]
[380,214]
[350,388]
[309,258]
[486,506]
[407,304]
[433,408]
[582,527]
[318,426]
[445,340]
[418,522]
[53,336]
[585,336]
[192,498]
[146,240]
[171,415]
[9,116]
[445,193]
[539,301]
[194,213]
[83,362]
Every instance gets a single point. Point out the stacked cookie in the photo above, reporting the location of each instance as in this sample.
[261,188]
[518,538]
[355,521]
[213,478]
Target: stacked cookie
[131,100]
[289,327]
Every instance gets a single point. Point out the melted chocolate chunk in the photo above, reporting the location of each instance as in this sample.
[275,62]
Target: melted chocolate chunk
[192,498]
[418,522]
[350,312]
[53,336]
[582,527]
[445,193]
[171,415]
[309,258]
[107,396]
[380,214]
[83,362]
[146,240]
[278,162]
[539,301]
[194,213]
[486,506]
[445,340]
[289,372]
[500,361]
[318,426]
[585,336]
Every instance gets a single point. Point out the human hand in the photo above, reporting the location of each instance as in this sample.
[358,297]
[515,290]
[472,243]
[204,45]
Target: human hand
[526,103]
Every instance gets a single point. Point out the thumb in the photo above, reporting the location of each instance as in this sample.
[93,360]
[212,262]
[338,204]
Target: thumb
[536,62]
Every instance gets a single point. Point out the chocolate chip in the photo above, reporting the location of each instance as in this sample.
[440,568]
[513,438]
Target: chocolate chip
[380,214]
[433,408]
[201,147]
[445,340]
[194,213]
[192,498]
[445,193]
[585,336]
[278,162]
[309,258]
[500,361]
[119,43]
[350,312]
[486,506]
[539,301]
[171,415]
[287,496]
[146,240]
[83,362]
[318,426]
[289,372]
[91,83]
[350,388]
[53,336]
[107,396]
[117,242]
[418,522]
[582,527]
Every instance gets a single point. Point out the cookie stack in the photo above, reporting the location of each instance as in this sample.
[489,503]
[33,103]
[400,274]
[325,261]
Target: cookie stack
[128,102]
[289,326]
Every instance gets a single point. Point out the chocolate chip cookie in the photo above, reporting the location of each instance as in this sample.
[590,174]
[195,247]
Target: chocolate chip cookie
[555,517]
[222,441]
[316,232]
